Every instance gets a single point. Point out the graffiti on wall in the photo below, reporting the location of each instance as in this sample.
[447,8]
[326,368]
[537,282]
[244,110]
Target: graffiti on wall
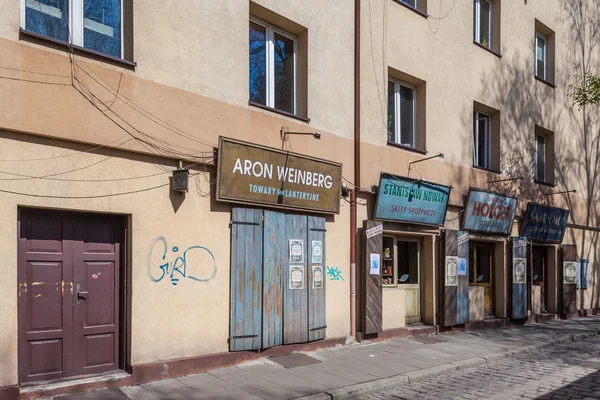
[196,263]
[335,274]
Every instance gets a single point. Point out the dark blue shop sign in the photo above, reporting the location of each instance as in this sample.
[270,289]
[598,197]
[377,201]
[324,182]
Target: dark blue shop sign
[490,213]
[411,200]
[544,223]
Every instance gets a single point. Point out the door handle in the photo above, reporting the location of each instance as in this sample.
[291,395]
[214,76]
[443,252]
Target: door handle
[81,295]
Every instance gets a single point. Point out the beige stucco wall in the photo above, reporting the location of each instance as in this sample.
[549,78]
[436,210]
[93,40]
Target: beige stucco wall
[167,321]
[190,86]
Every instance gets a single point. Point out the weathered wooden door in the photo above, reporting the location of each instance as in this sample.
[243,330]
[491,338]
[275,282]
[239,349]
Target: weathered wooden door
[295,297]
[455,282]
[372,315]
[246,279]
[277,279]
[519,278]
[568,279]
[69,270]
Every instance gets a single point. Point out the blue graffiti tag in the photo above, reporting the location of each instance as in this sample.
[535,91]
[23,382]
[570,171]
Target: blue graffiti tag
[179,265]
[335,274]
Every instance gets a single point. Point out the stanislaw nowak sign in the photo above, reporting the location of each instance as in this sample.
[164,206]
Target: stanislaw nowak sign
[249,173]
[411,200]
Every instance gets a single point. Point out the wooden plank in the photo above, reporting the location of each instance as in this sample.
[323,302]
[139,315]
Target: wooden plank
[372,287]
[317,321]
[273,271]
[519,284]
[450,292]
[569,291]
[462,293]
[295,301]
[246,280]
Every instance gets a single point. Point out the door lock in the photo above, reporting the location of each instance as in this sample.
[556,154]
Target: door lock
[81,295]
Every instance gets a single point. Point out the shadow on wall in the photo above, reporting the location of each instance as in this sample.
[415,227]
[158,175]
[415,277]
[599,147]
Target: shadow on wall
[525,103]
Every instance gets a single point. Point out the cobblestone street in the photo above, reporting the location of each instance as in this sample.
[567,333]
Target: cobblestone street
[570,371]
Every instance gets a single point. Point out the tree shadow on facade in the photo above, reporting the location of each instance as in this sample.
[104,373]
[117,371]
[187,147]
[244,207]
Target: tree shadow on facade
[525,105]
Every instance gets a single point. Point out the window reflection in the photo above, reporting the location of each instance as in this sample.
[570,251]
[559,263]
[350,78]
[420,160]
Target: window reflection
[258,91]
[48,17]
[102,26]
[284,73]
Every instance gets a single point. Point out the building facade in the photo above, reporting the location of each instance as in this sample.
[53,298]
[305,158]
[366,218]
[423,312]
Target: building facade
[184,186]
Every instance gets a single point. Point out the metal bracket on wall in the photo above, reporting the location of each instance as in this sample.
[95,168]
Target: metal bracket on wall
[229,339]
[318,230]
[244,223]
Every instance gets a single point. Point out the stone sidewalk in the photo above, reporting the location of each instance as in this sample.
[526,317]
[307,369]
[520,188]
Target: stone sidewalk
[350,370]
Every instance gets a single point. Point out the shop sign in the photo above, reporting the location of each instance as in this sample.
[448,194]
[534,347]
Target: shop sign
[488,212]
[249,173]
[411,200]
[544,223]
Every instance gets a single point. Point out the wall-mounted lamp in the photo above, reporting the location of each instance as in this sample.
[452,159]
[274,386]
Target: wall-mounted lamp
[564,191]
[517,178]
[180,180]
[438,155]
[284,132]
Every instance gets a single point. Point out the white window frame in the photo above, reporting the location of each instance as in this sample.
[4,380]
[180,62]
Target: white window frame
[487,156]
[478,23]
[537,152]
[397,112]
[545,60]
[395,276]
[76,23]
[270,32]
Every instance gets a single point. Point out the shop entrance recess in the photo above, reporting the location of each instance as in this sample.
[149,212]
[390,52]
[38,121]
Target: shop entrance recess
[277,279]
[539,278]
[481,260]
[401,269]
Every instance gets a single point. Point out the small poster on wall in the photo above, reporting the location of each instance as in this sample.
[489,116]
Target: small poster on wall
[296,251]
[375,263]
[462,266]
[451,271]
[317,273]
[570,272]
[317,252]
[519,270]
[296,277]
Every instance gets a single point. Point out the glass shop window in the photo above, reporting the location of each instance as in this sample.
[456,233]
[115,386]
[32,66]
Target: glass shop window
[400,262]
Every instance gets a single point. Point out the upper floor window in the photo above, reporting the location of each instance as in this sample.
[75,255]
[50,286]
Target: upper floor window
[544,156]
[544,53]
[541,56]
[482,141]
[273,67]
[91,24]
[412,3]
[483,23]
[402,113]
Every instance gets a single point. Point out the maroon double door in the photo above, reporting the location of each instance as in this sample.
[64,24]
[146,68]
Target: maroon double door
[69,275]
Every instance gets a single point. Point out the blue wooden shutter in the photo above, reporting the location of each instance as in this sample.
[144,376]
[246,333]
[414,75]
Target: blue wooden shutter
[295,302]
[519,278]
[246,279]
[317,321]
[275,252]
[455,288]
[463,280]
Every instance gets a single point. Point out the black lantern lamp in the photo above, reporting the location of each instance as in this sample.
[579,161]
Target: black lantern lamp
[181,179]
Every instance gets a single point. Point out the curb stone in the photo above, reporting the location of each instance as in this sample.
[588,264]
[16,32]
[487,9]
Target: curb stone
[416,376]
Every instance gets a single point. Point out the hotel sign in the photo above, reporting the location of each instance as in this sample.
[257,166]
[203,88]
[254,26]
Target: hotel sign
[411,200]
[254,174]
[488,212]
[544,223]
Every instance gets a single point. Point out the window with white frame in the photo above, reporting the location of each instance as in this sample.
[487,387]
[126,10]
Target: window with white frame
[541,52]
[273,67]
[540,158]
[92,24]
[402,113]
[412,3]
[483,22]
[482,140]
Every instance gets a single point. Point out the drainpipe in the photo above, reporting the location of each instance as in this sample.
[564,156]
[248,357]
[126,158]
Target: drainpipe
[356,168]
